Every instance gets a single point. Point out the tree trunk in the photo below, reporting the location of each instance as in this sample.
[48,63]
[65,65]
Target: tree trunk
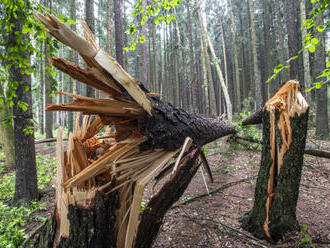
[191,63]
[220,75]
[48,100]
[109,22]
[26,175]
[284,135]
[7,132]
[236,65]
[89,14]
[118,32]
[322,127]
[307,68]
[284,75]
[256,90]
[293,39]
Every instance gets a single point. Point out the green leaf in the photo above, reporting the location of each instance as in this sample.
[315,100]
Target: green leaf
[328,64]
[311,48]
[143,19]
[315,41]
[320,28]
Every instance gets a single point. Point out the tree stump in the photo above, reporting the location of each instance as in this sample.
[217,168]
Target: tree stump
[284,121]
[101,180]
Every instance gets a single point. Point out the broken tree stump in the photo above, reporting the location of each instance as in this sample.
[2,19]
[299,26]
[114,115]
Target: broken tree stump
[101,180]
[284,121]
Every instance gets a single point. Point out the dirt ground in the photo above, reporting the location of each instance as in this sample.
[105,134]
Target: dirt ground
[212,220]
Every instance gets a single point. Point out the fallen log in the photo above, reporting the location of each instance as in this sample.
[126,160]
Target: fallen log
[101,182]
[310,149]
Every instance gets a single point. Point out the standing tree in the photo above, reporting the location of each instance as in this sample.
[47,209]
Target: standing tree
[256,90]
[237,98]
[19,60]
[118,32]
[293,36]
[322,127]
[6,130]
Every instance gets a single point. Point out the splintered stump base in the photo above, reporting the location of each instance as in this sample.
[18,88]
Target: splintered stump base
[90,225]
[284,136]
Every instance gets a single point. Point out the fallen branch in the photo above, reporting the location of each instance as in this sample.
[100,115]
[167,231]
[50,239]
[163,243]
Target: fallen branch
[34,232]
[225,186]
[310,149]
[246,236]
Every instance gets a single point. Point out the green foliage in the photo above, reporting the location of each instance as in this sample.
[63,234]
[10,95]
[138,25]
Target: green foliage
[306,239]
[19,46]
[46,171]
[14,219]
[310,44]
[157,10]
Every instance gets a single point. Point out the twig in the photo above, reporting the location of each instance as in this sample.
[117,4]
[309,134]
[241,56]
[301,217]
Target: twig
[225,186]
[247,236]
[33,233]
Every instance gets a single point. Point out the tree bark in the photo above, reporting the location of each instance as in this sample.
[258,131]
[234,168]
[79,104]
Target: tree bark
[276,194]
[220,75]
[256,90]
[293,39]
[236,65]
[7,132]
[307,68]
[191,62]
[322,127]
[26,175]
[118,32]
[89,14]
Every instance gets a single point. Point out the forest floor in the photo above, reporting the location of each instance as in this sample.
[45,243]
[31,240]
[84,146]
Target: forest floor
[212,220]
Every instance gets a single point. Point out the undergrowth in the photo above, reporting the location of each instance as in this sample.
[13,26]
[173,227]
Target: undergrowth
[13,219]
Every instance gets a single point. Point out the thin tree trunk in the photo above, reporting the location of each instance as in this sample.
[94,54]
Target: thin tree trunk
[307,68]
[284,75]
[205,85]
[223,85]
[109,13]
[191,63]
[256,90]
[118,32]
[89,14]
[322,127]
[293,39]
[7,132]
[236,65]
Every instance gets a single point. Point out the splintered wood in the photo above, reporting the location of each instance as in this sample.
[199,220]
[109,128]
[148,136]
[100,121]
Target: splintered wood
[110,163]
[288,101]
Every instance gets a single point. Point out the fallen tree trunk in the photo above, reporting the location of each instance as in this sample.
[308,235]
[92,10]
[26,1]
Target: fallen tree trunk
[310,149]
[101,181]
[285,119]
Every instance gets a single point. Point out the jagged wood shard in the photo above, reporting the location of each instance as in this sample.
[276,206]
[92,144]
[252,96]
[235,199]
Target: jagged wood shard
[104,179]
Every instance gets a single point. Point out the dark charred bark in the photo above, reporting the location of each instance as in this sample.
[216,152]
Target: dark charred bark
[152,217]
[90,226]
[282,213]
[255,118]
[168,127]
